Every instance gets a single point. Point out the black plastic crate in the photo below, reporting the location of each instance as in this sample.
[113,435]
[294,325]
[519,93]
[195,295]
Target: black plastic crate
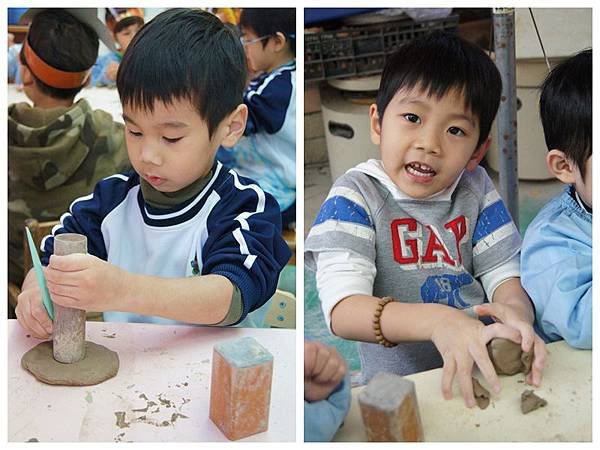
[362,50]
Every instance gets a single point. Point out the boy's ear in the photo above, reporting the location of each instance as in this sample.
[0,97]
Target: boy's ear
[235,124]
[279,40]
[26,76]
[561,167]
[375,124]
[478,154]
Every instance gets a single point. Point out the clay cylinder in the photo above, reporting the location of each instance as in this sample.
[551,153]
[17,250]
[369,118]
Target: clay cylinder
[69,323]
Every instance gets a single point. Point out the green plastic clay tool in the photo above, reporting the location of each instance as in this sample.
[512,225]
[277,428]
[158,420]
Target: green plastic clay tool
[39,274]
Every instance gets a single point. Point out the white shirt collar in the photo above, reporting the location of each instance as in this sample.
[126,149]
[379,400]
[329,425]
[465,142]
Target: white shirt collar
[374,168]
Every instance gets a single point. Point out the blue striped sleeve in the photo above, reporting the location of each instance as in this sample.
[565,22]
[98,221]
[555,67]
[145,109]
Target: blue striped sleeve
[490,219]
[244,241]
[342,209]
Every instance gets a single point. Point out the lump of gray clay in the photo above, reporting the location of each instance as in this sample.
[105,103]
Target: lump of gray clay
[98,365]
[531,402]
[508,358]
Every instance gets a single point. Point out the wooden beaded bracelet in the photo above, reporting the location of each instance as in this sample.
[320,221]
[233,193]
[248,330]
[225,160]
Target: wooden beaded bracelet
[377,325]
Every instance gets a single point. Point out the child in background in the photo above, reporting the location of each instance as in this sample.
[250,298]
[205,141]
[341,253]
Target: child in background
[406,248]
[267,153]
[326,391]
[13,60]
[557,250]
[181,239]
[57,149]
[123,23]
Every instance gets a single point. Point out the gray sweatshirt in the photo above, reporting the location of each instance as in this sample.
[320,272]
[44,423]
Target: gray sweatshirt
[425,251]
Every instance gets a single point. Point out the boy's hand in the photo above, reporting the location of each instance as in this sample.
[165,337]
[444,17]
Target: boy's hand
[85,282]
[324,368]
[30,310]
[461,340]
[511,317]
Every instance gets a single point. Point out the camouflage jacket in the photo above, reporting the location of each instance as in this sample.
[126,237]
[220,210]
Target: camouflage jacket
[55,156]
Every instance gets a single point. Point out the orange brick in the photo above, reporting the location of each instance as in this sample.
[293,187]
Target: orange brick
[240,390]
[389,409]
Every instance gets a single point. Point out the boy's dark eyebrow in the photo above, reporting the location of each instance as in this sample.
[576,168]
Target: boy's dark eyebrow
[126,118]
[168,124]
[173,124]
[422,103]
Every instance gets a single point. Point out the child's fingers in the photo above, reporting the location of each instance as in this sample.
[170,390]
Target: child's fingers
[499,330]
[55,276]
[310,353]
[330,370]
[539,360]
[25,319]
[339,375]
[39,314]
[321,359]
[448,373]
[464,371]
[485,309]
[65,300]
[28,321]
[482,359]
[69,263]
[527,335]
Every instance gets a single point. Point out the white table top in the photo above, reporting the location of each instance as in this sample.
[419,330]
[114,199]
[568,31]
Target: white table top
[167,365]
[567,386]
[103,98]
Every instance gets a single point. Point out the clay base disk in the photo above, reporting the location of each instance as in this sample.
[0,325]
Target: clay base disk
[98,365]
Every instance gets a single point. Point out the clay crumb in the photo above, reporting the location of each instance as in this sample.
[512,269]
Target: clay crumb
[121,419]
[482,395]
[531,402]
[205,361]
[33,440]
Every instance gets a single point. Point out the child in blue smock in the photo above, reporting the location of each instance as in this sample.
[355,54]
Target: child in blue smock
[326,391]
[556,260]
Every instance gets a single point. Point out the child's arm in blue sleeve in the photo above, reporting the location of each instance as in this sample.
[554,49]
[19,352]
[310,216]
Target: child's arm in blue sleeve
[556,272]
[244,241]
[268,102]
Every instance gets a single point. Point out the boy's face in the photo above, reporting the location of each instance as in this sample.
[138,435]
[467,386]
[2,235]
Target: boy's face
[426,142]
[125,36]
[583,183]
[257,53]
[170,147]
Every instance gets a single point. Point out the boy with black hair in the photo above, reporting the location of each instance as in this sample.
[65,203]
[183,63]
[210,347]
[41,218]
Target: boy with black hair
[57,149]
[557,249]
[267,153]
[424,227]
[181,213]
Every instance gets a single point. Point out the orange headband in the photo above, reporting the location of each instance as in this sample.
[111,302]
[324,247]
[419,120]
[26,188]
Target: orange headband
[53,77]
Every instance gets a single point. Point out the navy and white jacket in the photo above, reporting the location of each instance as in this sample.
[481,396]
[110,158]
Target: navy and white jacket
[231,228]
[267,152]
